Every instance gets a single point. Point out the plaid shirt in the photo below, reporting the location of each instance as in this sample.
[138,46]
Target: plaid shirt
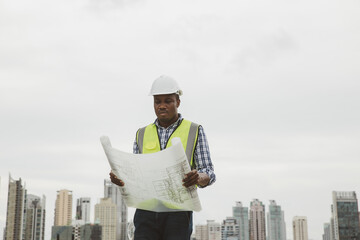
[201,154]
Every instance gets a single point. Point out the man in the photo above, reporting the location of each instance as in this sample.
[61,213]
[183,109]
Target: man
[156,137]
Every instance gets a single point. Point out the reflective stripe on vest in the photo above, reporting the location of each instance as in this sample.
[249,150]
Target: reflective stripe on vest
[148,140]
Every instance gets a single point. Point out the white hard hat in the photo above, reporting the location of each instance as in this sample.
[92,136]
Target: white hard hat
[165,85]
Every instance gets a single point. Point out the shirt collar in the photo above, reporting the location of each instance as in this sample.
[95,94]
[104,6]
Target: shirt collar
[175,124]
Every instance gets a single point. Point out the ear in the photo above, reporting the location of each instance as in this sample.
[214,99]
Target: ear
[178,102]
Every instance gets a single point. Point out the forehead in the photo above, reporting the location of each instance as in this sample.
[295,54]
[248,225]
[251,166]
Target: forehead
[164,96]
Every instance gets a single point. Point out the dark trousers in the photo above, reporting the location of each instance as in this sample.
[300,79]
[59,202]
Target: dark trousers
[163,225]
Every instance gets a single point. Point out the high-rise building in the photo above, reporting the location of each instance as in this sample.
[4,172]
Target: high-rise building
[62,233]
[214,230]
[275,222]
[63,208]
[210,231]
[114,192]
[300,229]
[105,215]
[327,232]
[257,220]
[230,229]
[345,214]
[201,232]
[332,224]
[332,230]
[76,226]
[35,218]
[15,210]
[83,232]
[83,209]
[241,214]
[90,232]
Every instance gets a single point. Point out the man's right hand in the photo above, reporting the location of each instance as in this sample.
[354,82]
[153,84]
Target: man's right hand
[116,180]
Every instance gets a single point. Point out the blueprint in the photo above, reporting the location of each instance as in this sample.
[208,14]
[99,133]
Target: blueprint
[154,181]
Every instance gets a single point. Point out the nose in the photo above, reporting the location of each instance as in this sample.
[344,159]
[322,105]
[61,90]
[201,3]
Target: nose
[162,106]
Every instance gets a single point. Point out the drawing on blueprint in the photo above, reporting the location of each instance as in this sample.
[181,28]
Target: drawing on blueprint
[153,181]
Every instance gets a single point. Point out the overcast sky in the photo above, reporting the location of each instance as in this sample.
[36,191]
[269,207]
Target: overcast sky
[275,84]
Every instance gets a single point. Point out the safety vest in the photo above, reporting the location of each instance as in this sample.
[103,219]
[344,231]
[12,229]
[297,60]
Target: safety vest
[148,140]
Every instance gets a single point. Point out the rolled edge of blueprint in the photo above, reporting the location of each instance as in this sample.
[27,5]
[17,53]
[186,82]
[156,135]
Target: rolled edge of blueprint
[105,141]
[106,144]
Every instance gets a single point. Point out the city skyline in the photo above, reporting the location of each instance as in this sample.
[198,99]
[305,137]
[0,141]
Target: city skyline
[275,85]
[274,220]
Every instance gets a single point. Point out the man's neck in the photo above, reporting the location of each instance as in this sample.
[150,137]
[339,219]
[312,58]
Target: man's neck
[168,123]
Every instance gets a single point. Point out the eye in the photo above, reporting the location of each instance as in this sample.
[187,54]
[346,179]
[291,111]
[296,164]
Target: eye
[168,100]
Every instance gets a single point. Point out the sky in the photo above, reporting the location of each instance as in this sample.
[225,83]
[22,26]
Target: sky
[275,85]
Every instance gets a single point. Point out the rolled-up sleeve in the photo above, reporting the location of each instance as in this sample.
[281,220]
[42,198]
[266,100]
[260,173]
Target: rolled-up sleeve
[202,156]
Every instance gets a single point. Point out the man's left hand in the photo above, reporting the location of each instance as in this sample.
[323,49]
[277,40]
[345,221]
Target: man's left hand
[195,178]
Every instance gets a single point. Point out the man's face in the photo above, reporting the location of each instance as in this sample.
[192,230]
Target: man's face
[165,107]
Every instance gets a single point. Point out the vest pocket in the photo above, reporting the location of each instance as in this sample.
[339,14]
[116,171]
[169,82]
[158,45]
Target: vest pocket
[150,145]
